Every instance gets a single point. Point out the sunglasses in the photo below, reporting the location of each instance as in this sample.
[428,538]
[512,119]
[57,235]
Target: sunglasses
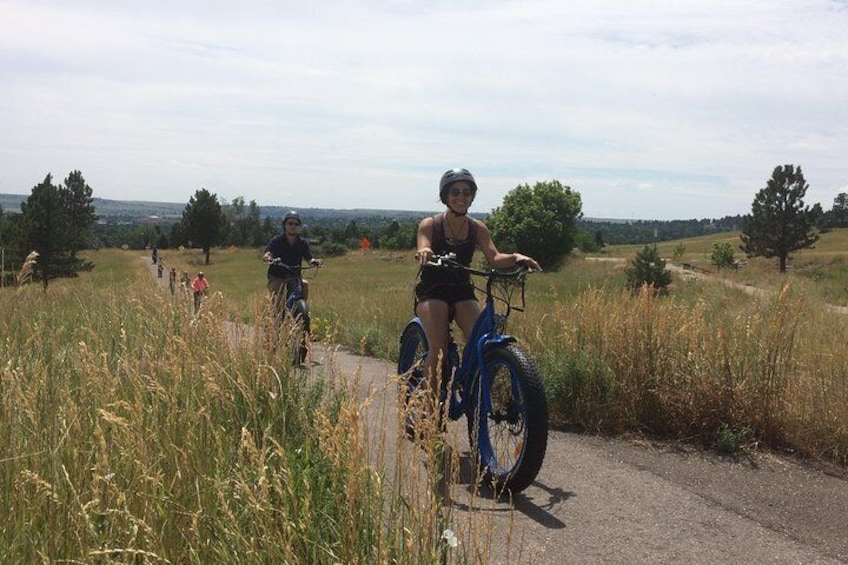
[292,223]
[460,191]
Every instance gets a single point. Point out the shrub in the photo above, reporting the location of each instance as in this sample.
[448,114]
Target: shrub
[648,268]
[722,254]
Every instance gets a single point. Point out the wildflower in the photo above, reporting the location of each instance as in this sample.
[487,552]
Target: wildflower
[450,537]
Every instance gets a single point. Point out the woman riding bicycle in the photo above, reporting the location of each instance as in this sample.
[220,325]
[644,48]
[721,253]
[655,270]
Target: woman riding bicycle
[442,294]
[292,250]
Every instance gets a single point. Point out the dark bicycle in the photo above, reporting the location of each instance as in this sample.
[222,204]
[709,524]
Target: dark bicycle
[294,318]
[496,385]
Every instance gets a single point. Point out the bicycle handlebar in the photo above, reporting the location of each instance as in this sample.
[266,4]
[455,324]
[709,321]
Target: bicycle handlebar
[448,260]
[279,263]
[513,277]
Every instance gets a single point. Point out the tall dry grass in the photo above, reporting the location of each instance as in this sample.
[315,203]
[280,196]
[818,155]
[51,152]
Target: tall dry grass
[705,363]
[134,433]
[767,368]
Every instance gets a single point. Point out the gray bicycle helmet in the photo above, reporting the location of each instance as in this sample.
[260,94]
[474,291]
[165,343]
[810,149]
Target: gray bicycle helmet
[452,176]
[292,215]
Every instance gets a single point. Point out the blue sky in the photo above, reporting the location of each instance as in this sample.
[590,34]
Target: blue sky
[650,110]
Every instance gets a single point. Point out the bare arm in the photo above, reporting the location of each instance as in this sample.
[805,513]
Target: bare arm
[425,240]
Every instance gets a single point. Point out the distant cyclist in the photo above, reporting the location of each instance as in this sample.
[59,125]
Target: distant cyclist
[291,250]
[172,280]
[199,286]
[442,292]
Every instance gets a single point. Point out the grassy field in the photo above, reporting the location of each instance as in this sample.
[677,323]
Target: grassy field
[822,272]
[363,301]
[133,433]
[709,363]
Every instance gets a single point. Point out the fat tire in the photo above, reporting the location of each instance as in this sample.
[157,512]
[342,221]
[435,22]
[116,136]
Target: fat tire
[525,375]
[301,320]
[413,349]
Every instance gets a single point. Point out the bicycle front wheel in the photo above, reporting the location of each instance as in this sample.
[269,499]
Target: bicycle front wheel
[510,438]
[413,350]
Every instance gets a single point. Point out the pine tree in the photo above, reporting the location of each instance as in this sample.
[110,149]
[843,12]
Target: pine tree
[204,221]
[648,268]
[45,229]
[779,222]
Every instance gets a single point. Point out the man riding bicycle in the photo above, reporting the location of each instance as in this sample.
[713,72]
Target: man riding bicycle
[441,292]
[291,250]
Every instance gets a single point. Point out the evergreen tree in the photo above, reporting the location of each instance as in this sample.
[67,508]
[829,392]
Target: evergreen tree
[45,226]
[203,221]
[779,222]
[648,268]
[253,229]
[840,210]
[80,210]
[10,250]
[722,254]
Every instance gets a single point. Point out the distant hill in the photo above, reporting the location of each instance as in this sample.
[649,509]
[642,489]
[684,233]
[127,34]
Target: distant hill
[170,211]
[167,212]
[610,231]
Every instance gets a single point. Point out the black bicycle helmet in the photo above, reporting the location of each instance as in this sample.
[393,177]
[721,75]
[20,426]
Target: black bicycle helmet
[292,215]
[452,176]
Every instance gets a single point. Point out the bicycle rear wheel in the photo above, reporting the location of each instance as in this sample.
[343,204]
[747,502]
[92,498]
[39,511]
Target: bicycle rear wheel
[510,439]
[300,331]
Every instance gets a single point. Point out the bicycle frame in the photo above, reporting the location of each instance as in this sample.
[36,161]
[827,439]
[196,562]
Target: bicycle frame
[295,290]
[496,385]
[486,332]
[294,308]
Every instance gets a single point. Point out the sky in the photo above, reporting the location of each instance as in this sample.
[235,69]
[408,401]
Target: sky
[651,109]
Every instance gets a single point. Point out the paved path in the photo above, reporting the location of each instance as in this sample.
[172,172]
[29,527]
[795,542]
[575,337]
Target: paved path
[613,501]
[602,500]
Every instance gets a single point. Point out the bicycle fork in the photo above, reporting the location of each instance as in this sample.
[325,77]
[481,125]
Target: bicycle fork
[482,389]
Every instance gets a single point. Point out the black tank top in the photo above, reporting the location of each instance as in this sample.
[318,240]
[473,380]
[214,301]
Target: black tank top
[441,245]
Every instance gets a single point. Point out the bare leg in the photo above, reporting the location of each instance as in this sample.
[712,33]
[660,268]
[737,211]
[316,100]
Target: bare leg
[434,317]
[466,314]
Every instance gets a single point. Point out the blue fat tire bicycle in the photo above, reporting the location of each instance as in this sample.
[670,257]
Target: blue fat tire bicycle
[496,386]
[294,321]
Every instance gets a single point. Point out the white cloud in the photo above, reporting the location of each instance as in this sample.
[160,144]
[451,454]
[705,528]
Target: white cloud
[656,109]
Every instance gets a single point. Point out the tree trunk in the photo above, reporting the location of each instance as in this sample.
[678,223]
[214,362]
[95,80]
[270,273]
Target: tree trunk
[783,263]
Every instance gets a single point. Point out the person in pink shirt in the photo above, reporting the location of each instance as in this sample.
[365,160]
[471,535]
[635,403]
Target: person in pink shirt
[199,286]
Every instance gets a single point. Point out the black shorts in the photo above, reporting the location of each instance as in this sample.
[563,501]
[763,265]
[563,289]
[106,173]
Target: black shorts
[450,293]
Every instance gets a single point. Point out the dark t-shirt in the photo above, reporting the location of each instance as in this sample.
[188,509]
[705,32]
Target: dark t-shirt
[289,254]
